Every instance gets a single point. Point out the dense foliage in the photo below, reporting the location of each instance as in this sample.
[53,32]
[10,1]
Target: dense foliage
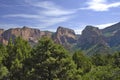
[50,61]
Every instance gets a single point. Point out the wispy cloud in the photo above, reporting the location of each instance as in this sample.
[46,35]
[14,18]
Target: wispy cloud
[22,16]
[57,20]
[50,8]
[100,5]
[18,4]
[57,12]
[47,22]
[47,13]
[102,26]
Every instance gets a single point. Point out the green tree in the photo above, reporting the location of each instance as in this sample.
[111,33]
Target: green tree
[102,59]
[52,62]
[10,54]
[82,61]
[17,53]
[102,73]
[3,70]
[116,57]
[3,52]
[99,60]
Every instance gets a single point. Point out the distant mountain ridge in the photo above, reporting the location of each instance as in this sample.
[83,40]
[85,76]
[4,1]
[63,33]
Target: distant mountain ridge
[92,40]
[111,29]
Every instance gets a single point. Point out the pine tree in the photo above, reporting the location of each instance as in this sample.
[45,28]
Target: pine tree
[3,70]
[52,62]
[82,61]
[17,53]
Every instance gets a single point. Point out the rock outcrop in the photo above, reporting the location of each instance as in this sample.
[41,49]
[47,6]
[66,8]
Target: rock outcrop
[29,34]
[92,41]
[65,37]
[90,36]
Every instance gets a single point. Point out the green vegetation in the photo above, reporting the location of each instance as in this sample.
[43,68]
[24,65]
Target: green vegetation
[50,61]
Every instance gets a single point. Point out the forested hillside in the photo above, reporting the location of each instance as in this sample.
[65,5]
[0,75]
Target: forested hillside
[50,61]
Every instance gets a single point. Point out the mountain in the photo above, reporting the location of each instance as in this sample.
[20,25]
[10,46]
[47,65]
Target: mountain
[111,30]
[112,34]
[115,40]
[29,34]
[89,37]
[65,37]
[92,40]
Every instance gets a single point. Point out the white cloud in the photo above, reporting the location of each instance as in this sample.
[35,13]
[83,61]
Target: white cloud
[42,4]
[56,12]
[78,31]
[100,5]
[102,26]
[47,22]
[47,13]
[59,19]
[53,9]
[44,21]
[50,8]
[23,16]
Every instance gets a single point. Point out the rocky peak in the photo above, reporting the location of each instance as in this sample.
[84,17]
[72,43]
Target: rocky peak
[91,30]
[65,31]
[25,27]
[65,35]
[90,36]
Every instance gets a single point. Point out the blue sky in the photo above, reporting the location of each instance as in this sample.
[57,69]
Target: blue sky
[49,14]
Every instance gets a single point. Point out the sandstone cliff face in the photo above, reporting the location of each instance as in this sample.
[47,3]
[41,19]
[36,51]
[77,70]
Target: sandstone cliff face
[65,35]
[29,34]
[46,33]
[25,32]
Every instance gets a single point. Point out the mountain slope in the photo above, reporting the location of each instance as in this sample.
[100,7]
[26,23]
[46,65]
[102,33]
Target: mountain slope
[92,41]
[111,30]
